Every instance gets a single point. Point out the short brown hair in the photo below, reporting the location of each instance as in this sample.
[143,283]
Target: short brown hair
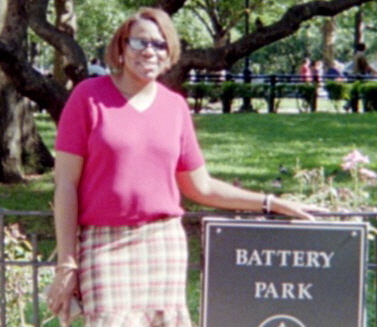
[116,46]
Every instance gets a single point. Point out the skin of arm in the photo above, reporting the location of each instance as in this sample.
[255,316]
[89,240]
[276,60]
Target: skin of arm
[199,186]
[68,169]
[67,175]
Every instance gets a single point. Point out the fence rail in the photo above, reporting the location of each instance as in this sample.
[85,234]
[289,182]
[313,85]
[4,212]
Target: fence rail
[35,263]
[314,89]
[267,78]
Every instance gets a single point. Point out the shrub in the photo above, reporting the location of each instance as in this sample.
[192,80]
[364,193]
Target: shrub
[368,94]
[354,95]
[200,91]
[229,91]
[337,91]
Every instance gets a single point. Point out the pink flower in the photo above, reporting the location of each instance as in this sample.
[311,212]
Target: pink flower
[347,165]
[353,159]
[368,173]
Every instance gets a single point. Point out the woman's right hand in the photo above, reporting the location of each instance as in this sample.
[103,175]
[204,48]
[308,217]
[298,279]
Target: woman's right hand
[65,284]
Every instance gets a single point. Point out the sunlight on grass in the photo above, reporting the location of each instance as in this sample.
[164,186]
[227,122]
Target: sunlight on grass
[255,146]
[35,194]
[47,129]
[248,148]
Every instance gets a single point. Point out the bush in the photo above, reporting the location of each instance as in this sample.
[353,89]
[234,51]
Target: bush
[229,91]
[337,91]
[308,93]
[355,95]
[198,92]
[368,94]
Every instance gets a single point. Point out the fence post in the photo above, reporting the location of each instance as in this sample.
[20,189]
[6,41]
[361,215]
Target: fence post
[34,243]
[314,99]
[2,272]
[271,96]
[355,96]
[246,105]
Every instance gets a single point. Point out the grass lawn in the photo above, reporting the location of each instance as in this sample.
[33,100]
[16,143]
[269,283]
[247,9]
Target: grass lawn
[250,148]
[245,148]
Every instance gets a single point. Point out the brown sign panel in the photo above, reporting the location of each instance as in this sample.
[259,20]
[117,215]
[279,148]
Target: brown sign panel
[283,274]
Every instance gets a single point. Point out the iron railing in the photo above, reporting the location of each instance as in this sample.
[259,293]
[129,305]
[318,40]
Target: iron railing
[272,81]
[35,263]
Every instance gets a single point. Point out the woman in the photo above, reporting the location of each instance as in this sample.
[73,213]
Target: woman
[305,71]
[125,148]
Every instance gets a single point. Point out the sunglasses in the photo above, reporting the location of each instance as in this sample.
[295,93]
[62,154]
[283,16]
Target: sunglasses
[141,44]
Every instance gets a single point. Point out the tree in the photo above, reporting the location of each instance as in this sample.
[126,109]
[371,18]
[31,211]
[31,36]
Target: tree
[51,95]
[66,23]
[328,41]
[21,148]
[224,57]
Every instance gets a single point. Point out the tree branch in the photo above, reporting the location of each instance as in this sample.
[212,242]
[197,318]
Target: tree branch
[170,6]
[225,57]
[30,83]
[76,68]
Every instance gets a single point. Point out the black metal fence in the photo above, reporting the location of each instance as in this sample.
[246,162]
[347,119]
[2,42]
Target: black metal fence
[35,262]
[273,83]
[197,77]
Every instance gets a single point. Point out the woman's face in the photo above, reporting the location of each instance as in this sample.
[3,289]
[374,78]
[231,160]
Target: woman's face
[146,54]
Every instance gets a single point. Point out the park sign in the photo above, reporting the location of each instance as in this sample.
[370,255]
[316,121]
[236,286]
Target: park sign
[283,274]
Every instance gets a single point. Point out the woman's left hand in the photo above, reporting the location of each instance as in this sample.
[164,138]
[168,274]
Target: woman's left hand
[295,209]
[65,284]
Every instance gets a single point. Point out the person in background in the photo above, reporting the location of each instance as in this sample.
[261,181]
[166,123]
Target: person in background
[305,71]
[335,72]
[317,71]
[95,69]
[126,148]
[361,65]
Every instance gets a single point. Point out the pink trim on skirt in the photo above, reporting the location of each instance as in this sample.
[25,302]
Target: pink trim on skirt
[134,276]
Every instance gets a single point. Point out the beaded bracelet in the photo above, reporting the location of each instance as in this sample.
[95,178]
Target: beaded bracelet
[267,203]
[68,267]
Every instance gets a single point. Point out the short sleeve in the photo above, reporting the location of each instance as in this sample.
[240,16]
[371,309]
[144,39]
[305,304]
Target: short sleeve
[75,123]
[191,156]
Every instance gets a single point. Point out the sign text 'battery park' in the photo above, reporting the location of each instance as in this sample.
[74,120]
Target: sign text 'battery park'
[281,258]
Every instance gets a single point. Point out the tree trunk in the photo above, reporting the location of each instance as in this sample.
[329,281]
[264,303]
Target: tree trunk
[328,29]
[359,26]
[21,149]
[65,22]
[10,134]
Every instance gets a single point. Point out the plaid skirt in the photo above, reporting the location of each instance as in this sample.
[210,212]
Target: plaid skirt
[134,276]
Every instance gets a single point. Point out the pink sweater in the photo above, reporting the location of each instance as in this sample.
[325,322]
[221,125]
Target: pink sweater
[130,157]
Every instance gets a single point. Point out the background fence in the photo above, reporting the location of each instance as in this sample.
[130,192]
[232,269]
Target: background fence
[20,292]
[226,87]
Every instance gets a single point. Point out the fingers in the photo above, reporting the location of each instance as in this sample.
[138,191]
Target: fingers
[299,213]
[60,306]
[307,216]
[315,209]
[58,301]
[64,314]
[294,209]
[60,293]
[52,301]
[54,305]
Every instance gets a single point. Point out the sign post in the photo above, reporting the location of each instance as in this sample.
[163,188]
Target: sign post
[283,274]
